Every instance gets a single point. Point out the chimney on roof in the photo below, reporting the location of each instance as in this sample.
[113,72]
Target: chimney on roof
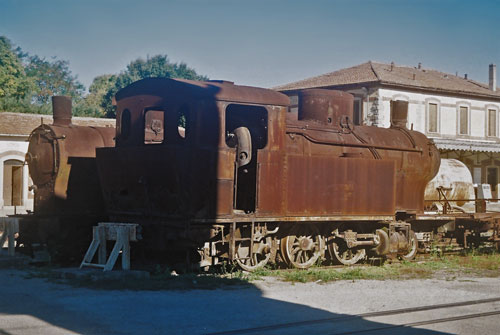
[392,66]
[493,77]
[465,76]
[419,65]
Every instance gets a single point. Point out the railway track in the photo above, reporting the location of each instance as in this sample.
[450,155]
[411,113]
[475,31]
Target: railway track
[379,326]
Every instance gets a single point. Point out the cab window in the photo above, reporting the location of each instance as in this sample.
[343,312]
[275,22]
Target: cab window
[154,131]
[124,125]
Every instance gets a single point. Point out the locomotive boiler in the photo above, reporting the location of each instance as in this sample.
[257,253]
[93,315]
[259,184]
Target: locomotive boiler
[67,191]
[250,181]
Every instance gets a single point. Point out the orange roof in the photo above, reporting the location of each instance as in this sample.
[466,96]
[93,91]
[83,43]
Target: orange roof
[402,76]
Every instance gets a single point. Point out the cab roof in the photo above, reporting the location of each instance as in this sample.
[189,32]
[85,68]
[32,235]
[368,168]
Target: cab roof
[191,89]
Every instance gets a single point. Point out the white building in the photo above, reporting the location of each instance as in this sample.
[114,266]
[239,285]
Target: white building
[15,128]
[459,114]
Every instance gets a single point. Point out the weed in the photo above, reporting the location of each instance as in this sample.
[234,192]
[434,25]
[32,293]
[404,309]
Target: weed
[448,267]
[452,267]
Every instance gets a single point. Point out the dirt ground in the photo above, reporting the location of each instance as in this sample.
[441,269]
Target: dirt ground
[39,306]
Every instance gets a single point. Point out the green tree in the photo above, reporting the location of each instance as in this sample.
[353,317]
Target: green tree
[28,82]
[52,78]
[152,67]
[13,81]
[101,84]
[91,105]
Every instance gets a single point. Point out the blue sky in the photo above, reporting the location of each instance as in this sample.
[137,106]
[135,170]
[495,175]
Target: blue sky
[262,43]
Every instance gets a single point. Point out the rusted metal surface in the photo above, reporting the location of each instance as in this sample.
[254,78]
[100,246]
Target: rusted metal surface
[61,107]
[61,160]
[317,166]
[306,132]
[226,170]
[415,161]
[317,169]
[190,90]
[303,246]
[325,185]
[331,218]
[325,107]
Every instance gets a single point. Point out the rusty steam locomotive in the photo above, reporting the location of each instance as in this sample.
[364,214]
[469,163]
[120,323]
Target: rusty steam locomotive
[68,198]
[235,174]
[249,180]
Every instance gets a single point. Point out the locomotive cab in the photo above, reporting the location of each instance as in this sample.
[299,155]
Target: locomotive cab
[192,150]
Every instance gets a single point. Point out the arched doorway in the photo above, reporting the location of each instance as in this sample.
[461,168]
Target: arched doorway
[13,182]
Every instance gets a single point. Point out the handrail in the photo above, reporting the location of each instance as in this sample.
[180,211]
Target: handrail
[353,145]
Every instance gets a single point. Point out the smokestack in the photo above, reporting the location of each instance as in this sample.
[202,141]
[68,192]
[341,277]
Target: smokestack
[493,77]
[61,110]
[399,113]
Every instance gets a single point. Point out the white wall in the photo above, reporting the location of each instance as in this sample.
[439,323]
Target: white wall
[448,125]
[448,109]
[15,147]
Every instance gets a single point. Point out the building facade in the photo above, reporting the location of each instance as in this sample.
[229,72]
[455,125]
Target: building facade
[15,128]
[459,114]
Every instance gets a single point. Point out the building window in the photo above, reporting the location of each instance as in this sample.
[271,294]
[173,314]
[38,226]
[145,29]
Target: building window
[492,122]
[432,125]
[463,118]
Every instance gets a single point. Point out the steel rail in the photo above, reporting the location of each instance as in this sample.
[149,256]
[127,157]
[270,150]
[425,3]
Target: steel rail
[423,323]
[372,314]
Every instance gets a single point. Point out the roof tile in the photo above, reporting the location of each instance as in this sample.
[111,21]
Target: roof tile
[405,76]
[23,124]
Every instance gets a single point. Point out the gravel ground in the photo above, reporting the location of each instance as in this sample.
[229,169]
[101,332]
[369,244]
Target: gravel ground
[36,306]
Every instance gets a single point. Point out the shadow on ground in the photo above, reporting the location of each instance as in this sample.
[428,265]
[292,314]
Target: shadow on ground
[37,306]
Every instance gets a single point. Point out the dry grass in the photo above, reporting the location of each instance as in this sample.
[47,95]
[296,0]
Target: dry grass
[447,267]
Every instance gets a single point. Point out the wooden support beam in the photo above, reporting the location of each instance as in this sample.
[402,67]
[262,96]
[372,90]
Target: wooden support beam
[101,235]
[122,234]
[10,228]
[125,249]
